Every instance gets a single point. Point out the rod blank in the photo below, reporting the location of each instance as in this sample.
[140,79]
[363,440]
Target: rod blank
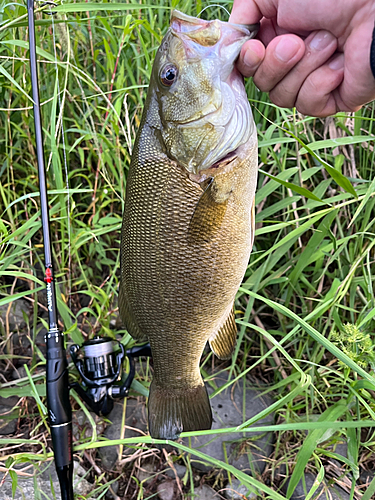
[58,404]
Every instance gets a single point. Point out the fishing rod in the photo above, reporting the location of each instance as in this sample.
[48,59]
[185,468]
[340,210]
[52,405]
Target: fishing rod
[98,360]
[58,404]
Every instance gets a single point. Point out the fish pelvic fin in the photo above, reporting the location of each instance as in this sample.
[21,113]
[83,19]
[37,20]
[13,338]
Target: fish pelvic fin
[172,411]
[222,343]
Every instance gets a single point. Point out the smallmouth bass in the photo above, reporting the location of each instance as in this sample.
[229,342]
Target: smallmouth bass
[188,222]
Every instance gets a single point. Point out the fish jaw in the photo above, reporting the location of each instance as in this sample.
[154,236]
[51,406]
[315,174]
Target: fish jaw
[205,39]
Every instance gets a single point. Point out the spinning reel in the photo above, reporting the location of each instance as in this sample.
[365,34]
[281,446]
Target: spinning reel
[99,363]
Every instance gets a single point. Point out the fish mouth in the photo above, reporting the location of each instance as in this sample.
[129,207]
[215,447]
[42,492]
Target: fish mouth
[211,38]
[208,33]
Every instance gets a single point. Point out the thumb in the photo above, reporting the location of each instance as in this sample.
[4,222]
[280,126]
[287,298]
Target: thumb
[245,12]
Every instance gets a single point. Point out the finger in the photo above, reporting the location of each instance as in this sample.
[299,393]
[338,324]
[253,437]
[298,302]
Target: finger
[300,16]
[245,12]
[268,31]
[318,94]
[252,55]
[282,54]
[320,46]
[358,86]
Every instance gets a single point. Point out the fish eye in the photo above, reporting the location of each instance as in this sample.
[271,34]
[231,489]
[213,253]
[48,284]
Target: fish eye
[168,75]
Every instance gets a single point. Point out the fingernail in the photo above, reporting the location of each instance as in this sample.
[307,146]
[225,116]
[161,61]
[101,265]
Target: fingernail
[286,49]
[251,59]
[321,40]
[337,62]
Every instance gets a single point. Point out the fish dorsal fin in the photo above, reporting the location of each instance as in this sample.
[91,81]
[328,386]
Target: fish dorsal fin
[209,212]
[223,341]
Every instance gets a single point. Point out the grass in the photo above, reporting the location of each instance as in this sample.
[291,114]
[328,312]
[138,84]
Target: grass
[306,307]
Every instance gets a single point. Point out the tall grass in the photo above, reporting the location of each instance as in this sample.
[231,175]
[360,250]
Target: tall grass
[306,311]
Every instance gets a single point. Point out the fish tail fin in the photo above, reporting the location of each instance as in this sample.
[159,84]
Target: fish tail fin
[171,411]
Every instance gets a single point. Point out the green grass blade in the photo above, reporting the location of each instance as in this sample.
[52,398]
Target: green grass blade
[339,141]
[13,81]
[298,189]
[310,443]
[107,7]
[316,335]
[318,480]
[370,492]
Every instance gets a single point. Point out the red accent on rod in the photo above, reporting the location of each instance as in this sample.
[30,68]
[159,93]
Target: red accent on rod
[48,277]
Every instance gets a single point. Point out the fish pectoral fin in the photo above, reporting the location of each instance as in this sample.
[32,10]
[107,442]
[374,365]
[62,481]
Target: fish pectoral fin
[223,341]
[130,324]
[209,213]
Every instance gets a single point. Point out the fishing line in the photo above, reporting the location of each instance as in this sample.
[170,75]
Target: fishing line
[61,120]
[214,5]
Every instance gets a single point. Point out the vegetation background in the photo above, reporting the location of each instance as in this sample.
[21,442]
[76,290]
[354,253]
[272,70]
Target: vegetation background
[306,311]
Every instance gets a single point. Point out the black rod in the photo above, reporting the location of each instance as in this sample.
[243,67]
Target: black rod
[58,404]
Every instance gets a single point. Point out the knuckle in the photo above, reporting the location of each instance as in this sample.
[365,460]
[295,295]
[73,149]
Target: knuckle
[283,96]
[314,84]
[278,99]
[262,82]
[320,107]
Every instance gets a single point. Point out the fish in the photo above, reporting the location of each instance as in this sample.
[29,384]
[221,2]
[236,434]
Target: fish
[188,223]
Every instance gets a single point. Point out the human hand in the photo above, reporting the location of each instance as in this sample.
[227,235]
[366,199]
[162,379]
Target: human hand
[313,55]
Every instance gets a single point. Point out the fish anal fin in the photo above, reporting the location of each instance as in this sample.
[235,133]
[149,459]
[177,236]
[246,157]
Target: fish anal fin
[127,318]
[209,212]
[222,343]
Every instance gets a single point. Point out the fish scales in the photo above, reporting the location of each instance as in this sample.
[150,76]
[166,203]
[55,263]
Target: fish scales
[186,239]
